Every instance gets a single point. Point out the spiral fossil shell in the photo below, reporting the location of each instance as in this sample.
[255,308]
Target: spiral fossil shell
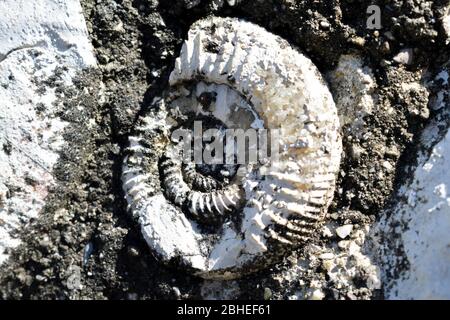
[223,225]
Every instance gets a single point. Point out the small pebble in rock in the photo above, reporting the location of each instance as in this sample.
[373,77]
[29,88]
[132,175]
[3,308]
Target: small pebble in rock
[343,244]
[386,47]
[405,56]
[326,256]
[373,281]
[324,25]
[358,41]
[40,278]
[317,295]
[88,250]
[353,248]
[267,294]
[392,152]
[388,166]
[103,59]
[132,251]
[344,231]
[328,265]
[177,292]
[326,232]
[355,152]
[73,281]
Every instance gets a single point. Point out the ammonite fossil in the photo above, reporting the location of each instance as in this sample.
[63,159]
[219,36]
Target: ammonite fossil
[223,220]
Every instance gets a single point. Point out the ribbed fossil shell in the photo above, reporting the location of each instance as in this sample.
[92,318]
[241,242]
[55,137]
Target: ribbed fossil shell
[234,74]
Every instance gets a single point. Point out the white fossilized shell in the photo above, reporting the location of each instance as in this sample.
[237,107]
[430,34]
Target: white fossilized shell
[240,75]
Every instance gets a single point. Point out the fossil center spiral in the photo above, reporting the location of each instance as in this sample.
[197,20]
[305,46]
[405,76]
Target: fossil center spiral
[203,181]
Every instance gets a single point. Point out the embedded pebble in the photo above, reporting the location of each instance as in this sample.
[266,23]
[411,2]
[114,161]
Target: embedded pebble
[317,295]
[267,294]
[344,231]
[405,56]
[326,256]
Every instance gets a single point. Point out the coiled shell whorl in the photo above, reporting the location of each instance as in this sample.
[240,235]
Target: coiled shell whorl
[227,220]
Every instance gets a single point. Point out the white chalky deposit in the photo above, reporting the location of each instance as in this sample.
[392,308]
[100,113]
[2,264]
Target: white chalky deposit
[426,241]
[413,239]
[234,74]
[353,87]
[36,38]
[446,25]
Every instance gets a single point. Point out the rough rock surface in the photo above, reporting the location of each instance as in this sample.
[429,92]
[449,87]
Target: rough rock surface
[425,223]
[40,45]
[84,244]
[412,239]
